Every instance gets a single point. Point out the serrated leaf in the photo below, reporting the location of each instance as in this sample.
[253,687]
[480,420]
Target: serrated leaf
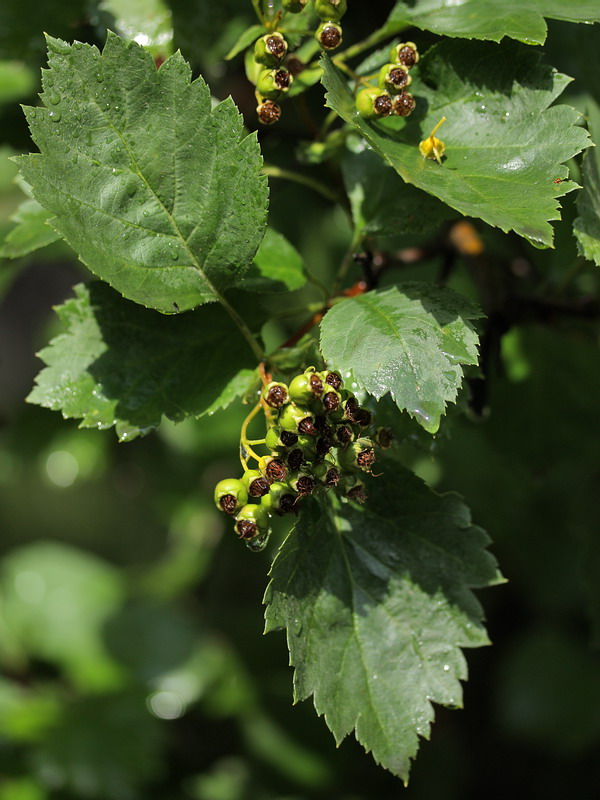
[409,340]
[377,604]
[159,194]
[383,204]
[504,146]
[489,19]
[246,38]
[587,225]
[30,233]
[147,22]
[277,266]
[119,364]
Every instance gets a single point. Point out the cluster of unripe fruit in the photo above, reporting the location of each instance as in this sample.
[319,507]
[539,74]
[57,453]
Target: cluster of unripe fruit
[318,440]
[391,95]
[274,81]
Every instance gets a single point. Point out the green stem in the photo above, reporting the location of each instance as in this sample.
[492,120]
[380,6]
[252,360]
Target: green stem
[244,329]
[347,260]
[256,4]
[304,180]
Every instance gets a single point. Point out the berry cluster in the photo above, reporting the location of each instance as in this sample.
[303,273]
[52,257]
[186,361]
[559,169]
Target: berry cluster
[273,82]
[390,96]
[318,440]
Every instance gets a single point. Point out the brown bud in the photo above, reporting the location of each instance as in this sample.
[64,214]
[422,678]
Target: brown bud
[276,471]
[288,439]
[228,504]
[334,379]
[404,104]
[258,487]
[383,105]
[307,426]
[246,529]
[268,112]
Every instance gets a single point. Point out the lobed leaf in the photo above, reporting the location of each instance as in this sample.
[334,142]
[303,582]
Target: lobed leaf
[277,266]
[30,233]
[587,225]
[158,193]
[382,204]
[119,364]
[376,602]
[504,147]
[409,340]
[489,19]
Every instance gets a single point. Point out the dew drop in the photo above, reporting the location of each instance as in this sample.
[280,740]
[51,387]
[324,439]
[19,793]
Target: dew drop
[174,252]
[54,115]
[146,213]
[131,188]
[77,45]
[54,99]
[446,667]
[99,77]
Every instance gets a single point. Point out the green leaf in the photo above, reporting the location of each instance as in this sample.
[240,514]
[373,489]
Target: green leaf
[489,19]
[504,146]
[122,365]
[382,204]
[30,233]
[409,340]
[158,194]
[277,267]
[147,22]
[248,37]
[377,603]
[587,225]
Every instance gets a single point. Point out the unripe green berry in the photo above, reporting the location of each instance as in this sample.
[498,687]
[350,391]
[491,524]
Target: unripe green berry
[327,473]
[294,6]
[331,402]
[330,10]
[276,438]
[255,482]
[302,482]
[384,437]
[305,387]
[230,495]
[251,521]
[274,83]
[272,468]
[405,53]
[332,378]
[329,35]
[358,455]
[280,500]
[270,49]
[344,434]
[268,112]
[297,419]
[276,394]
[394,78]
[372,103]
[403,104]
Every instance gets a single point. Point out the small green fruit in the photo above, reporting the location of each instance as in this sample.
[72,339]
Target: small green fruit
[329,35]
[405,53]
[274,83]
[275,394]
[252,521]
[394,78]
[255,482]
[297,419]
[372,103]
[230,495]
[305,388]
[280,500]
[330,10]
[270,50]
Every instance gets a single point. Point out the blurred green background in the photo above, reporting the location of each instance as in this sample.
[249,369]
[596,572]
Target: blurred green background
[132,662]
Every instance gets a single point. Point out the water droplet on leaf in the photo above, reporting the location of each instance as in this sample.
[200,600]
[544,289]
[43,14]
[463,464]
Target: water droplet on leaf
[54,115]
